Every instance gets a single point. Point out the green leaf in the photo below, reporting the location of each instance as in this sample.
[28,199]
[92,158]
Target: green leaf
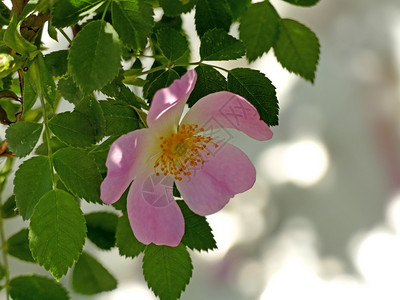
[92,111]
[31,88]
[47,85]
[164,79]
[133,20]
[167,270]
[303,2]
[172,43]
[78,172]
[22,137]
[198,233]
[4,14]
[57,232]
[18,246]
[101,228]
[69,12]
[216,44]
[57,62]
[94,56]
[2,273]
[209,80]
[120,118]
[52,32]
[238,7]
[100,152]
[73,128]
[258,90]
[297,49]
[69,90]
[126,241]
[55,144]
[259,27]
[90,277]
[35,287]
[32,180]
[9,208]
[212,14]
[173,8]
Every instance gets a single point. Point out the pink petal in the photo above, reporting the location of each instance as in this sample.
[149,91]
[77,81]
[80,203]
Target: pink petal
[168,103]
[154,215]
[228,110]
[123,160]
[226,173]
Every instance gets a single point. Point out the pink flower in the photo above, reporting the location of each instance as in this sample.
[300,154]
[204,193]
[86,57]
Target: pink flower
[207,170]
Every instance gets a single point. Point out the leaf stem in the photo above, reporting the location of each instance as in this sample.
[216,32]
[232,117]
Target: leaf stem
[65,35]
[105,10]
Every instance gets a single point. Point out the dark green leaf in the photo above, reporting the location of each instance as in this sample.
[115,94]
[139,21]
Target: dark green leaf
[57,62]
[55,144]
[161,81]
[57,232]
[52,32]
[94,56]
[208,81]
[22,137]
[101,228]
[47,85]
[2,273]
[35,287]
[90,277]
[100,152]
[167,270]
[174,8]
[216,44]
[32,180]
[4,14]
[133,20]
[73,128]
[303,2]
[212,14]
[31,88]
[126,241]
[258,90]
[259,27]
[172,43]
[69,12]
[9,208]
[297,49]
[69,90]
[238,7]
[198,233]
[18,246]
[92,111]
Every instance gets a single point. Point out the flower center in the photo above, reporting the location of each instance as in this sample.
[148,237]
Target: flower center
[182,151]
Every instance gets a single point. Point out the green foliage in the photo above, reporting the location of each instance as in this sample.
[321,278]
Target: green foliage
[57,62]
[47,85]
[167,270]
[101,229]
[90,277]
[163,79]
[22,137]
[18,245]
[31,91]
[216,44]
[238,7]
[258,90]
[56,247]
[212,14]
[126,241]
[90,108]
[69,90]
[297,49]
[174,8]
[34,287]
[303,2]
[68,12]
[172,43]
[9,208]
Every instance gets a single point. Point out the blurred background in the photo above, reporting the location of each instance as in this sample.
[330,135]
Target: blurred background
[323,219]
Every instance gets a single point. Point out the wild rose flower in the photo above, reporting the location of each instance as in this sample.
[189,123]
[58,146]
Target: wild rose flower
[207,171]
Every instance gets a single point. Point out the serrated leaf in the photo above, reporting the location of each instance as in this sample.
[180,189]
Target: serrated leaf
[47,85]
[212,14]
[209,80]
[167,270]
[258,90]
[32,180]
[57,232]
[126,241]
[69,12]
[9,208]
[34,287]
[57,62]
[216,44]
[22,137]
[92,111]
[163,80]
[94,56]
[100,153]
[133,20]
[303,2]
[101,228]
[55,144]
[172,43]
[297,49]
[18,245]
[198,234]
[259,27]
[173,8]
[78,172]
[69,90]
[90,277]
[73,128]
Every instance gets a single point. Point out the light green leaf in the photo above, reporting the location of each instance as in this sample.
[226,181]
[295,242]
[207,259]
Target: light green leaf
[69,12]
[303,2]
[172,43]
[35,287]
[126,241]
[258,90]
[22,137]
[173,8]
[32,180]
[94,56]
[47,85]
[90,277]
[212,14]
[57,232]
[133,20]
[217,44]
[73,128]
[18,246]
[258,29]
[78,172]
[167,270]
[101,228]
[297,49]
